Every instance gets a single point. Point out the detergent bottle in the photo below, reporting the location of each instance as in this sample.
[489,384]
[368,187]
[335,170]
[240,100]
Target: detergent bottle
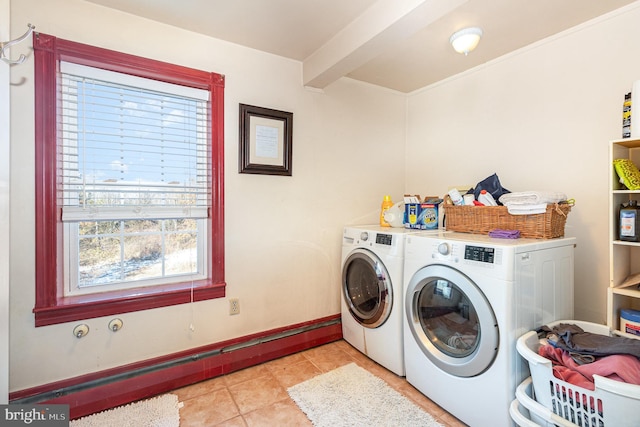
[386,204]
[394,216]
[486,198]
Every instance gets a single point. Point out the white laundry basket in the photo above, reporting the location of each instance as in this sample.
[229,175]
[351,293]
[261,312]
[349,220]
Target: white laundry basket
[526,412]
[611,404]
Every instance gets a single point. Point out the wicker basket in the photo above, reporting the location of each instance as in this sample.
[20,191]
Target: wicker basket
[482,219]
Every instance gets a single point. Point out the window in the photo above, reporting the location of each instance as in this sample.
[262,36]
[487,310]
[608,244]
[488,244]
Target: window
[129,191]
[135,180]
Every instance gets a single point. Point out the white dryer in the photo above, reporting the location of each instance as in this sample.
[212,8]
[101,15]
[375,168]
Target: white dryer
[372,292]
[467,300]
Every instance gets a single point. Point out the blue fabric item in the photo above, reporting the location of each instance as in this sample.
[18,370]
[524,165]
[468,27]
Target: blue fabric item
[492,185]
[505,234]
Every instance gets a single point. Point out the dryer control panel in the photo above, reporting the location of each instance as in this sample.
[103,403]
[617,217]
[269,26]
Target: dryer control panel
[485,256]
[479,253]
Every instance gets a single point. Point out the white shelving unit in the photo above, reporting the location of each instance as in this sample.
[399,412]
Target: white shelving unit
[624,256]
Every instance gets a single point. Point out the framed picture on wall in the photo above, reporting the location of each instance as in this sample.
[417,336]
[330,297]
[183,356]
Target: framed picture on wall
[265,141]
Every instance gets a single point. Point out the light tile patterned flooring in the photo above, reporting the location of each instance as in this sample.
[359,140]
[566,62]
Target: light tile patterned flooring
[257,396]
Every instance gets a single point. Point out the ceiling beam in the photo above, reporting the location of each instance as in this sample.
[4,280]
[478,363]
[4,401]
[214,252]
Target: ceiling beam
[384,24]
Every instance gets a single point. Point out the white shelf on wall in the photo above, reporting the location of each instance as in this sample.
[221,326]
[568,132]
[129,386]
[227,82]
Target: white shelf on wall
[624,256]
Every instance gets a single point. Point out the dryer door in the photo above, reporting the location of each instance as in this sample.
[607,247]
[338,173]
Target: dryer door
[451,320]
[367,288]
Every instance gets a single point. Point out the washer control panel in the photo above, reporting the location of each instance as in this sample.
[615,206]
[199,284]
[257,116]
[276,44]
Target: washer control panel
[384,239]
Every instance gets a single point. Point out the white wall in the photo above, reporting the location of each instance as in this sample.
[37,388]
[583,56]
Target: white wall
[283,234]
[4,208]
[542,119]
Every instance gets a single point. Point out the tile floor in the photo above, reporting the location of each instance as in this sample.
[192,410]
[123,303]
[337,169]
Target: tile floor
[257,396]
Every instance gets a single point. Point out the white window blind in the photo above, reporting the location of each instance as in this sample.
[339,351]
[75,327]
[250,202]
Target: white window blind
[131,147]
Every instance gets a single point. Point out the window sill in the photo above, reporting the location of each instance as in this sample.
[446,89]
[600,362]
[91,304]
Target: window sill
[109,303]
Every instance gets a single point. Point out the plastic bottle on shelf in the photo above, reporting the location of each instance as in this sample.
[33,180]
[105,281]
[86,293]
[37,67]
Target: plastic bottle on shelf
[386,204]
[630,222]
[626,116]
[486,198]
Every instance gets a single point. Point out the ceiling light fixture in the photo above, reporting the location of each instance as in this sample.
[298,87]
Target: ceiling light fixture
[465,40]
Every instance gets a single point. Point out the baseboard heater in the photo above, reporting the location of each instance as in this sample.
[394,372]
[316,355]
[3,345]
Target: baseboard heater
[99,391]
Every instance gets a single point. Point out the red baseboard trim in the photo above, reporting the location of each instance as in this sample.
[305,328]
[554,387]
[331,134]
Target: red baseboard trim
[98,398]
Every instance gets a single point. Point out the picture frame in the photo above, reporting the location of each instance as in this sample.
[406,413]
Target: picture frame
[266,141]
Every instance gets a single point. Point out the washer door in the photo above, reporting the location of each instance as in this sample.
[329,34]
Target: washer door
[451,321]
[367,288]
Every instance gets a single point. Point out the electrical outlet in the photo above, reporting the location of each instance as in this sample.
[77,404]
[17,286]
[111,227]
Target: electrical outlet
[234,306]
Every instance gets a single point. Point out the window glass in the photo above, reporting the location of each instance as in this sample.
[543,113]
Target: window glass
[132,148]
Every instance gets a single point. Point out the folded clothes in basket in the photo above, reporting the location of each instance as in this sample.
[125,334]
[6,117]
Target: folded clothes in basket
[527,209]
[619,367]
[532,198]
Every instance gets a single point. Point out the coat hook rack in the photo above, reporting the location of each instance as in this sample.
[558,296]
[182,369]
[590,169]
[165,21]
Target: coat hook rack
[5,45]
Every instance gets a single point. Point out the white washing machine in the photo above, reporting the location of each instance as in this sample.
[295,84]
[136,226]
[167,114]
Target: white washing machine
[467,300]
[372,292]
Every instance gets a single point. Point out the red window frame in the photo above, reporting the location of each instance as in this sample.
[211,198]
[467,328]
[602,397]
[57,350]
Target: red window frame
[51,306]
